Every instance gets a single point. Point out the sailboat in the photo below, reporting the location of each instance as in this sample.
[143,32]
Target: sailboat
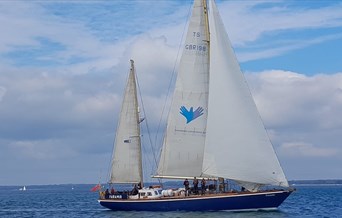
[214,133]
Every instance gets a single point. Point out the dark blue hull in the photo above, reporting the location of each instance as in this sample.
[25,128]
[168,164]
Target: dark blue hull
[236,202]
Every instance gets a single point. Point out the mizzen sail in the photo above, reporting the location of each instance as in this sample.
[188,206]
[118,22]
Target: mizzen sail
[126,164]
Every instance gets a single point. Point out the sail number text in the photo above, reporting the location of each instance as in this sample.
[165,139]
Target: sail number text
[196,34]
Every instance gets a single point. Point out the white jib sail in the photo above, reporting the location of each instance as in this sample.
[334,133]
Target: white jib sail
[182,153]
[126,162]
[237,145]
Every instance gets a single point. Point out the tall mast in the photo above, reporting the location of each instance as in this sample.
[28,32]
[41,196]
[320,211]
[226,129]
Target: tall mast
[206,20]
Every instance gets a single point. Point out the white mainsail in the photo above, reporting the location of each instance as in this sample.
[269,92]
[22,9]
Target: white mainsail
[126,164]
[229,139]
[182,153]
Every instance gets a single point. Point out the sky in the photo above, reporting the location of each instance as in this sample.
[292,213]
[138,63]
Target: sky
[64,65]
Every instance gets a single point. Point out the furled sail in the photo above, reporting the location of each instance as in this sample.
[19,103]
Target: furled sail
[182,153]
[126,164]
[237,145]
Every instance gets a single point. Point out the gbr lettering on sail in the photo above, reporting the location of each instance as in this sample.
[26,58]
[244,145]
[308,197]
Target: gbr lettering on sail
[195,47]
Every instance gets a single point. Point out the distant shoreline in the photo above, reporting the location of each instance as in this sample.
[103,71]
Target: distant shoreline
[317,182]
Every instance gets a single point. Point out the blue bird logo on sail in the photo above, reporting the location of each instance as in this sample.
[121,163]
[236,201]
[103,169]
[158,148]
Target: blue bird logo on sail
[190,115]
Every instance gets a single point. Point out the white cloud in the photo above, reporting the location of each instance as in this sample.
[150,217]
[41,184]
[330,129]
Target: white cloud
[100,103]
[302,116]
[26,23]
[49,149]
[302,149]
[154,61]
[288,98]
[245,22]
[284,47]
[29,25]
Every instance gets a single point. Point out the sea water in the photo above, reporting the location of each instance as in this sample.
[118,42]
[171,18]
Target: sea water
[78,201]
